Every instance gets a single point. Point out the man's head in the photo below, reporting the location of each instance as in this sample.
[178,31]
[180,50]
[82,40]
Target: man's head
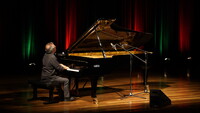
[50,48]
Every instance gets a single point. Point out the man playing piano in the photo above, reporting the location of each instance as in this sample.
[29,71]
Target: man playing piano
[50,70]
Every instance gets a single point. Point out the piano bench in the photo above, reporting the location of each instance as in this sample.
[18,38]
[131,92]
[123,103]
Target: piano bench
[35,84]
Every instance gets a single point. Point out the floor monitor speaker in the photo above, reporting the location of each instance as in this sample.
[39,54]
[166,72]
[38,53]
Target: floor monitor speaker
[158,98]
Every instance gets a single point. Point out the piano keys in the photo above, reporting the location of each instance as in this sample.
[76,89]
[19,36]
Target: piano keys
[92,53]
[73,70]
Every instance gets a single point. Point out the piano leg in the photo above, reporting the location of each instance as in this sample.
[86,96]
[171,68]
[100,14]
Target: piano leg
[93,86]
[76,86]
[94,80]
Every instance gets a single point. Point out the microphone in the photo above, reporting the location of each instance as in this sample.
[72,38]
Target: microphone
[113,46]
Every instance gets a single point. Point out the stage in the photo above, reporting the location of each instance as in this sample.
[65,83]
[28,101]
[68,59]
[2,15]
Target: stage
[176,83]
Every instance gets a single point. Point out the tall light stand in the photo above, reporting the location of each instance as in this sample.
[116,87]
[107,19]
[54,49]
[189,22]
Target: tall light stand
[131,67]
[146,87]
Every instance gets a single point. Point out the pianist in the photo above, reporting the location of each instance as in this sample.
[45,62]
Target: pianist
[50,70]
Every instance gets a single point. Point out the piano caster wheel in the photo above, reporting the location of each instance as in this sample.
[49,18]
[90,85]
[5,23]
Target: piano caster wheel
[95,101]
[146,89]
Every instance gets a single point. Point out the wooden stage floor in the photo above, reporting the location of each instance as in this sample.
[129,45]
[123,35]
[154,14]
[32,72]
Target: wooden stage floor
[178,86]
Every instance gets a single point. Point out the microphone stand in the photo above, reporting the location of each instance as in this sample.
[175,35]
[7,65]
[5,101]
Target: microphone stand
[131,61]
[146,87]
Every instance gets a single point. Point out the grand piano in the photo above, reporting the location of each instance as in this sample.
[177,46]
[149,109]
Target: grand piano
[92,53]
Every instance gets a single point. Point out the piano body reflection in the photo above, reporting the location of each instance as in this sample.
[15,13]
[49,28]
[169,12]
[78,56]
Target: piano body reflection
[93,52]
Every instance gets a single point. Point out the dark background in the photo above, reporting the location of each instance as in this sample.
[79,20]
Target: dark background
[41,21]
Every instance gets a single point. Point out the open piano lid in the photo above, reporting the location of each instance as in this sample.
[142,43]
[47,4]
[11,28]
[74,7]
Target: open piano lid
[104,32]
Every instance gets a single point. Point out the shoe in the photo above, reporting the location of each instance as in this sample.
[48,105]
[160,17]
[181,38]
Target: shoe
[69,99]
[95,101]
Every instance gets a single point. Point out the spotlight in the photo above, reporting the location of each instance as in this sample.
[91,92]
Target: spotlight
[189,58]
[32,64]
[166,59]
